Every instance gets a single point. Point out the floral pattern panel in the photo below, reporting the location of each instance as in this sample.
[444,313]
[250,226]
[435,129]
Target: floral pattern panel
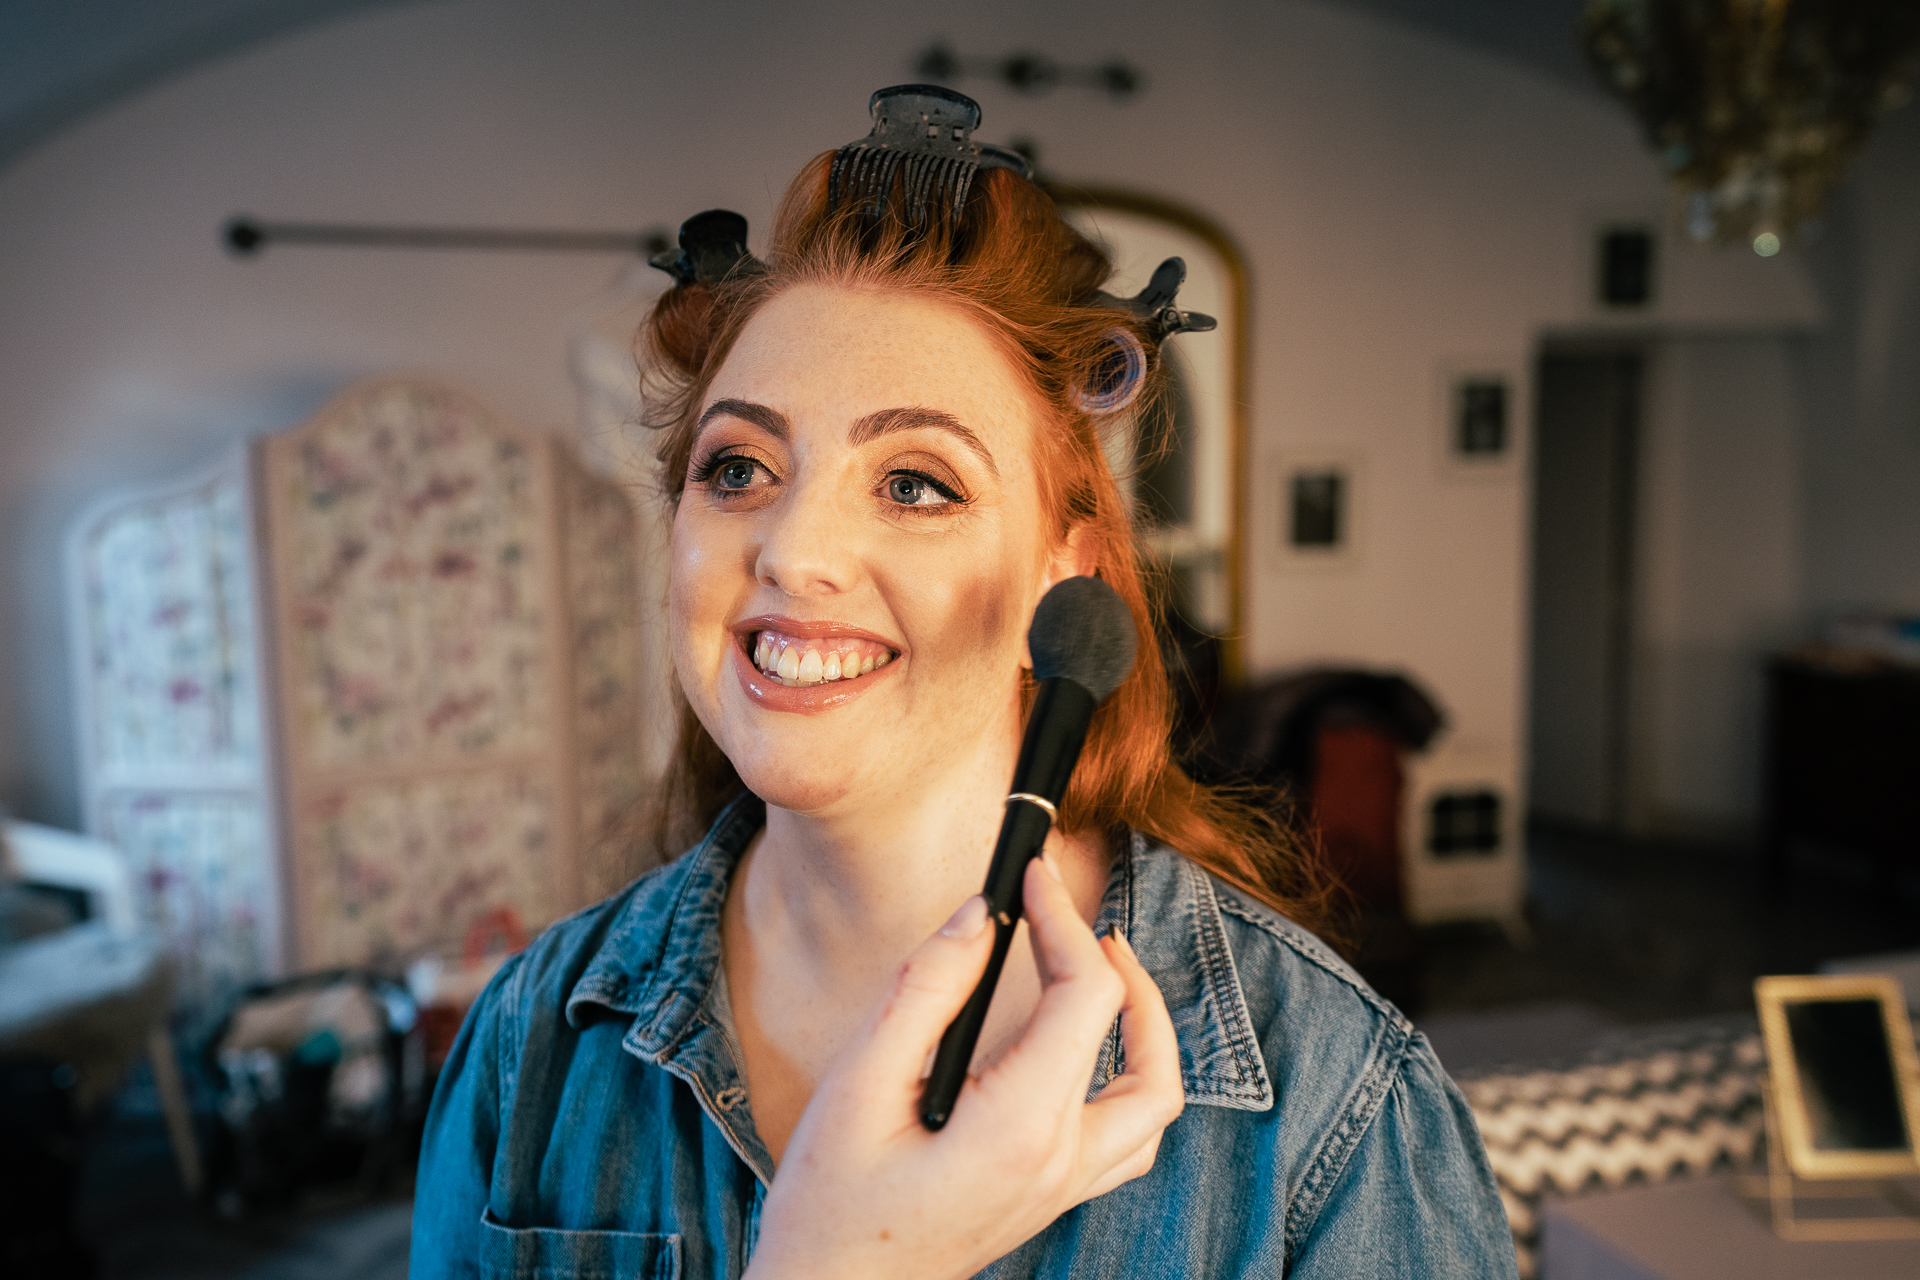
[413,570]
[392,869]
[202,870]
[615,845]
[604,623]
[603,581]
[168,611]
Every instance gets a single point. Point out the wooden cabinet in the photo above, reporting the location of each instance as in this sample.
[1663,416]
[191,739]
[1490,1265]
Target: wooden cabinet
[1843,762]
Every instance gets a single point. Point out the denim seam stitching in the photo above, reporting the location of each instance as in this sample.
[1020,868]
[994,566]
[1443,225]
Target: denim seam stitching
[1213,942]
[662,1007]
[1386,1063]
[513,996]
[1305,947]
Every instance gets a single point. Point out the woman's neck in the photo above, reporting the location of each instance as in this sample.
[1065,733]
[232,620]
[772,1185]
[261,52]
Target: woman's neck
[824,907]
[881,877]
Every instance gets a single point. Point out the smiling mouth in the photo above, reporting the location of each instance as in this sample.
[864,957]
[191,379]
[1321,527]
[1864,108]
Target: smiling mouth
[801,664]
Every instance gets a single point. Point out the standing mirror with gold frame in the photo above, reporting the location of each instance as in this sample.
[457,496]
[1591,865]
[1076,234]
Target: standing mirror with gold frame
[1843,1103]
[1181,463]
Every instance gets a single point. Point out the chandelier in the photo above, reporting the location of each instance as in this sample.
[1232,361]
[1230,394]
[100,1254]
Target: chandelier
[1755,106]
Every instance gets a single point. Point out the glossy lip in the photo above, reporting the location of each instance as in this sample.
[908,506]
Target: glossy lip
[814,698]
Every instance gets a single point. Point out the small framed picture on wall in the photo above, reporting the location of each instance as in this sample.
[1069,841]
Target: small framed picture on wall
[1317,499]
[1480,409]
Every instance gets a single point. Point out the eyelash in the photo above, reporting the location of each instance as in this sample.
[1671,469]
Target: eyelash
[953,498]
[707,469]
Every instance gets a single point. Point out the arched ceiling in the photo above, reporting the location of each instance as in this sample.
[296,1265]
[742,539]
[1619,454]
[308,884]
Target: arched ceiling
[61,59]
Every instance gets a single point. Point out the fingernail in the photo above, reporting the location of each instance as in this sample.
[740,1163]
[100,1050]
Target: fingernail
[968,920]
[1053,868]
[1121,938]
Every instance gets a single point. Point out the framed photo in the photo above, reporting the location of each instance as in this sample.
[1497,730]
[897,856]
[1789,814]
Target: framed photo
[1318,502]
[1482,413]
[1845,1083]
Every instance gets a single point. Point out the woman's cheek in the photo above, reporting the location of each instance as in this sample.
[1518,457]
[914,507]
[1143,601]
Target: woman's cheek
[970,598]
[695,601]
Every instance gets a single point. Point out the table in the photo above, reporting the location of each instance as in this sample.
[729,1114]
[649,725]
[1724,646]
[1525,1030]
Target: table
[1699,1229]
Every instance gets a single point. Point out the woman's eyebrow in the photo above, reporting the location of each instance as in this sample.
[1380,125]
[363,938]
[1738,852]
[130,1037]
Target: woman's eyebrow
[881,421]
[769,420]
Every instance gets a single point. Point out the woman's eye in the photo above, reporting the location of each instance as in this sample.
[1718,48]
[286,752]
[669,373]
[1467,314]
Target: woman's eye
[911,489]
[735,473]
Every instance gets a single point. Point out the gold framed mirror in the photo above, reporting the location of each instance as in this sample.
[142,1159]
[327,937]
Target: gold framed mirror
[1189,497]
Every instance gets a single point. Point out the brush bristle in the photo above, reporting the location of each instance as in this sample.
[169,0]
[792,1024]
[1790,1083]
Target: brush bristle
[1085,632]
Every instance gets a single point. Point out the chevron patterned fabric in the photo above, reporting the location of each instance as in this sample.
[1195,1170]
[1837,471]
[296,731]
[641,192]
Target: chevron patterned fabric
[1646,1106]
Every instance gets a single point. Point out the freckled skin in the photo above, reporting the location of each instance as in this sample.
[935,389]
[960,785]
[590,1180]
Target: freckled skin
[881,810]
[950,590]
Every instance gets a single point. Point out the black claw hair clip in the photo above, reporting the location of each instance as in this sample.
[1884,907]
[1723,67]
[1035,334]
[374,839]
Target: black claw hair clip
[1154,304]
[1119,374]
[713,246]
[923,133]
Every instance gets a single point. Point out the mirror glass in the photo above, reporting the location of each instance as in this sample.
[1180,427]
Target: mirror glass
[1847,1082]
[1176,465]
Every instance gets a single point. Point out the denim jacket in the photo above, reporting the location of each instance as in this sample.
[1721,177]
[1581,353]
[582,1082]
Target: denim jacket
[593,1119]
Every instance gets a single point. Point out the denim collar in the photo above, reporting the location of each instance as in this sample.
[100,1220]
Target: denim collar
[661,960]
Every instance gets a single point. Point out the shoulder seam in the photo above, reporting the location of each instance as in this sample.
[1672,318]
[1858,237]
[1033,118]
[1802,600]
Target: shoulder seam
[1307,948]
[1358,1111]
[507,1065]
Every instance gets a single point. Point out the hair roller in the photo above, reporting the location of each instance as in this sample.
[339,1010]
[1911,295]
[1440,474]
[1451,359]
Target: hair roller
[1114,376]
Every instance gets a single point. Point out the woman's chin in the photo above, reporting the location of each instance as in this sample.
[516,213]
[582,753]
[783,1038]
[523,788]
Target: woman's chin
[795,792]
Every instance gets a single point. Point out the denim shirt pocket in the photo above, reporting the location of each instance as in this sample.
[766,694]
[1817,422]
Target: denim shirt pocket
[542,1253]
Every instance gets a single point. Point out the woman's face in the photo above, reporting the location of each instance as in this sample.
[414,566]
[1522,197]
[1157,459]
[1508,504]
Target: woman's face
[859,548]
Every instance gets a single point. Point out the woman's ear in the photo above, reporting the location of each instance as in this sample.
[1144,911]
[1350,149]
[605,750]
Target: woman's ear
[1076,556]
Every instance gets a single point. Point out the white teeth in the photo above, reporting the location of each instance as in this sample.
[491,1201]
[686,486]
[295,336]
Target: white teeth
[786,658]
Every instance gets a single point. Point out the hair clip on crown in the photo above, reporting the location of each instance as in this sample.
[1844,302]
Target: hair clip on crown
[922,137]
[924,134]
[713,246]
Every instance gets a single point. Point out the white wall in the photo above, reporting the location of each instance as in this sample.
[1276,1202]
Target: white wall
[1405,205]
[1720,575]
[1860,457]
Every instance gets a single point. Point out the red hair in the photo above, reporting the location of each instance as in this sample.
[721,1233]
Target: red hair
[1028,277]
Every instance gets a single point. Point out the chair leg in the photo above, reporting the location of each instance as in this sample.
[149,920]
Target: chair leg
[173,1104]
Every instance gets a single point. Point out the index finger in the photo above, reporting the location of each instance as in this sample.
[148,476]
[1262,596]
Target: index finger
[1121,1128]
[1082,994]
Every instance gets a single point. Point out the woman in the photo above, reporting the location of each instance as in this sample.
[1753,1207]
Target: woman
[883,445]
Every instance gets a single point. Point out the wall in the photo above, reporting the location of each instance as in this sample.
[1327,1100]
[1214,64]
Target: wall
[1719,541]
[1860,457]
[1405,205]
[1781,469]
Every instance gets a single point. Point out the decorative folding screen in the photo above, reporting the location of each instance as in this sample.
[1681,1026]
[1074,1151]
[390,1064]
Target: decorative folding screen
[451,613]
[455,616]
[171,733]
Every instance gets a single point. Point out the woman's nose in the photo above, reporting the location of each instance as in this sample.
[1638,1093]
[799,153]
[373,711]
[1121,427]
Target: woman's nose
[806,544]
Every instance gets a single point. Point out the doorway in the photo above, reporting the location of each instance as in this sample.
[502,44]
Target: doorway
[1585,477]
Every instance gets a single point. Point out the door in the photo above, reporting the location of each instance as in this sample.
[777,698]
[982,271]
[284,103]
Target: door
[1583,557]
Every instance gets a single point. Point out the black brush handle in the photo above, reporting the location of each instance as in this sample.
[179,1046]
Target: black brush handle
[1056,730]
